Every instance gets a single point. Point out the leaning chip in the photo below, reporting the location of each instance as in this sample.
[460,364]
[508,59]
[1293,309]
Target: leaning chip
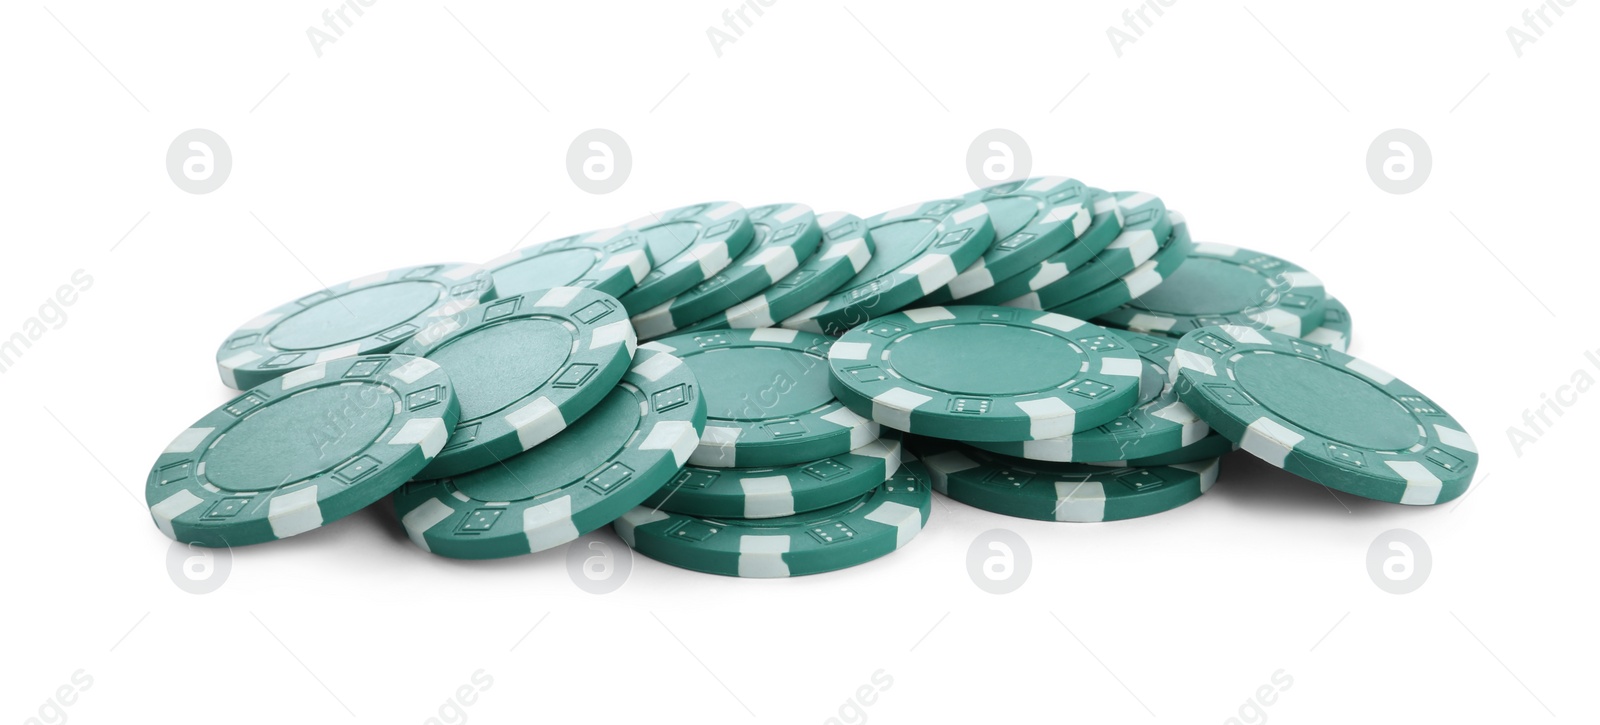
[607,462]
[371,314]
[525,368]
[301,450]
[1323,415]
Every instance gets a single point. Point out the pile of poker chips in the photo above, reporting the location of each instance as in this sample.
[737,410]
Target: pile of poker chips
[1039,349]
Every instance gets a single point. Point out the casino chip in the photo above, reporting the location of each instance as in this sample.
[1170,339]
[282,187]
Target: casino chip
[837,537]
[1323,415]
[301,450]
[1033,219]
[1225,285]
[764,493]
[1142,279]
[1335,329]
[371,314]
[767,398]
[611,260]
[1104,227]
[524,368]
[1146,228]
[603,464]
[1065,491]
[846,248]
[1207,448]
[1158,423]
[785,236]
[689,244]
[919,248]
[980,373]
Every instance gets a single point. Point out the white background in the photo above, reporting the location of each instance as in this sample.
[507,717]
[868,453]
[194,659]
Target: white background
[431,133]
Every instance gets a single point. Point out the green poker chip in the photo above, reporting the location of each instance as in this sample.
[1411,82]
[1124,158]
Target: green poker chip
[785,236]
[846,249]
[524,367]
[301,450]
[847,534]
[1073,492]
[1145,230]
[1207,448]
[1157,424]
[764,493]
[1334,332]
[1226,285]
[612,261]
[689,244]
[1323,415]
[980,373]
[919,248]
[605,463]
[1033,219]
[367,315]
[768,400]
[1142,279]
[1105,225]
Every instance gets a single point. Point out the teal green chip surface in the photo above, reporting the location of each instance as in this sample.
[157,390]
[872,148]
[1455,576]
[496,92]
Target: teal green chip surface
[689,244]
[1336,327]
[302,450]
[1323,415]
[1145,229]
[605,463]
[612,261]
[969,372]
[837,537]
[918,249]
[1225,285]
[1157,424]
[1033,220]
[785,236]
[764,493]
[1074,492]
[768,401]
[525,367]
[367,315]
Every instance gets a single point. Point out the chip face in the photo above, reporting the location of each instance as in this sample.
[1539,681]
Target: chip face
[1158,424]
[612,261]
[764,493]
[608,461]
[1323,415]
[1076,492]
[846,248]
[1144,278]
[768,400]
[918,249]
[1225,285]
[837,537]
[371,314]
[301,450]
[1033,220]
[689,244]
[785,236]
[525,367]
[981,373]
